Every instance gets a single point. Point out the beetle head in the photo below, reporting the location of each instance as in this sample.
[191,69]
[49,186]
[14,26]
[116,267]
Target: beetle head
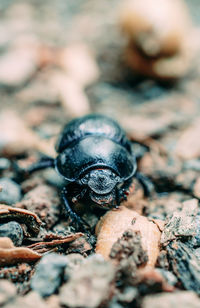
[102,186]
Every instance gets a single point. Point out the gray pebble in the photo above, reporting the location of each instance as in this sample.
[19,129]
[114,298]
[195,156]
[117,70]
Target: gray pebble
[47,277]
[4,163]
[11,192]
[13,230]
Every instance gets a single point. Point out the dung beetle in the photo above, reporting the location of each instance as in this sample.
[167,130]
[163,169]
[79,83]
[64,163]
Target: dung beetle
[96,160]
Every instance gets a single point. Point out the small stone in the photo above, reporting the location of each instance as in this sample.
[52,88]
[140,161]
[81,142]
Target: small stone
[13,230]
[48,274]
[7,291]
[90,284]
[4,163]
[11,192]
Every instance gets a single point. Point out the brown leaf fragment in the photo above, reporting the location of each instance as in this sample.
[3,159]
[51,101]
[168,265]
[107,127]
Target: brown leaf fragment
[30,219]
[115,222]
[9,254]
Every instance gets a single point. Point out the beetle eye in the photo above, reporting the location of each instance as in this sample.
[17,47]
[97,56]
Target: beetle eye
[85,179]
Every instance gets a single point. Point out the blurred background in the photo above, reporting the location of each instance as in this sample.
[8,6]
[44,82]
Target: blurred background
[136,62]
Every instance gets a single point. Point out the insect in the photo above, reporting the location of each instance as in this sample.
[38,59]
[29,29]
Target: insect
[96,160]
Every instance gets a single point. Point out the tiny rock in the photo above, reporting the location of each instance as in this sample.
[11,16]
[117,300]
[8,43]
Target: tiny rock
[11,192]
[48,274]
[89,284]
[12,230]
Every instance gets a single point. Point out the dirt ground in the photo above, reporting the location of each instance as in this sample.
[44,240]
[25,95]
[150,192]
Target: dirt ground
[63,59]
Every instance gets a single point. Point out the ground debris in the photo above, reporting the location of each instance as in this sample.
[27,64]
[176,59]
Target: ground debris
[7,291]
[129,254]
[48,274]
[185,265]
[109,230]
[11,191]
[180,299]
[18,66]
[187,147]
[14,231]
[89,285]
[31,300]
[19,273]
[44,201]
[129,245]
[54,242]
[25,217]
[18,138]
[9,254]
[176,226]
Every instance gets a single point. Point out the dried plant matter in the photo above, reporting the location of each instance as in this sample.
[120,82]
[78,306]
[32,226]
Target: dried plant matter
[9,254]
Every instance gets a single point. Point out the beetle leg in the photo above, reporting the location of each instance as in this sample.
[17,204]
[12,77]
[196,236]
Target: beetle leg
[46,162]
[76,220]
[146,183]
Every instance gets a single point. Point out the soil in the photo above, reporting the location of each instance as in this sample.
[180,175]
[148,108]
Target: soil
[64,59]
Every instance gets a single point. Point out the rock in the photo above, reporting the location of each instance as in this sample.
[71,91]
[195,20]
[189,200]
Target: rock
[44,201]
[175,228]
[4,163]
[90,284]
[12,230]
[11,192]
[185,264]
[181,299]
[7,291]
[24,217]
[48,274]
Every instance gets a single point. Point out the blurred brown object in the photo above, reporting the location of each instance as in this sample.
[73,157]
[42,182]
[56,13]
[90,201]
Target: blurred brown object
[160,37]
[115,222]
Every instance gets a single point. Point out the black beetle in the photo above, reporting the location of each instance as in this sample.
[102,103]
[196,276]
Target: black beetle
[97,162]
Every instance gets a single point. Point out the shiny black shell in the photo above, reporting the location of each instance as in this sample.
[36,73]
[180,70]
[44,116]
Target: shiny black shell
[94,141]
